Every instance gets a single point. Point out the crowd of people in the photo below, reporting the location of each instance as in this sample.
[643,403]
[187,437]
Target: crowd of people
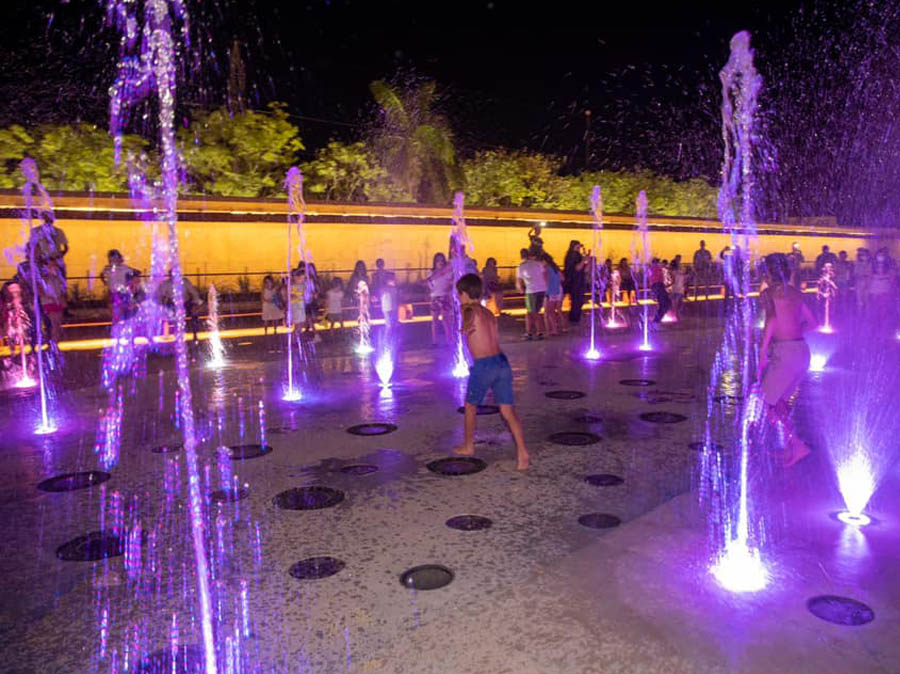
[844,287]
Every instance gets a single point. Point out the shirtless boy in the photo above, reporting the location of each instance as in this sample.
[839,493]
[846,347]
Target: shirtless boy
[490,370]
[784,355]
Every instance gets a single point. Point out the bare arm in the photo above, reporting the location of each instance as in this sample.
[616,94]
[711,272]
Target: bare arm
[807,319]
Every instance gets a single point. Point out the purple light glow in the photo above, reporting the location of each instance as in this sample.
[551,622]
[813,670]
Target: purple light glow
[817,362]
[592,354]
[384,366]
[740,568]
[856,482]
[645,346]
[856,520]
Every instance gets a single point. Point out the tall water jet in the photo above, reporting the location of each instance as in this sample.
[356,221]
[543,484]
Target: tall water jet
[216,348]
[640,216]
[460,247]
[597,212]
[738,564]
[384,367]
[43,208]
[293,186]
[363,318]
[147,71]
[17,324]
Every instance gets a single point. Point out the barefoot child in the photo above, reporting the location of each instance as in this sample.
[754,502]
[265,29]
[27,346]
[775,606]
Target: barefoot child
[489,371]
[784,355]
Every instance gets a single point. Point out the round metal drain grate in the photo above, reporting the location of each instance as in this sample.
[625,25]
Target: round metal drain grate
[374,428]
[604,480]
[699,446]
[840,610]
[74,481]
[359,469]
[457,465]
[229,495]
[663,417]
[565,395]
[426,577]
[482,409]
[91,547]
[637,382]
[599,521]
[167,449]
[242,452]
[574,438]
[308,498]
[469,523]
[588,419]
[184,660]
[315,568]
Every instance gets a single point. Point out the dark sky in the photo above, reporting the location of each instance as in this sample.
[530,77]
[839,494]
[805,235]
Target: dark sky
[521,76]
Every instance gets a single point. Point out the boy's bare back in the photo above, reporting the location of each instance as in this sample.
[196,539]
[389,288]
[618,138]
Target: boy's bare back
[480,328]
[786,309]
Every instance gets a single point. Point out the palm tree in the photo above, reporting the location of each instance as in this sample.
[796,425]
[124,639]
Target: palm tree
[414,142]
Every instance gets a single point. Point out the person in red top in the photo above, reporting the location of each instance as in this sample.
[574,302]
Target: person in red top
[657,281]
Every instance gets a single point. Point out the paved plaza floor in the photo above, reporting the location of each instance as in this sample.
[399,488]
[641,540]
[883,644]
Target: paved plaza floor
[595,560]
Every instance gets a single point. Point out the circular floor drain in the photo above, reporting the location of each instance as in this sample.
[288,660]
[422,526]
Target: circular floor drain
[565,395]
[359,469]
[308,498]
[91,547]
[482,409]
[729,399]
[469,522]
[457,465]
[167,449]
[242,452]
[699,446]
[183,660]
[574,438]
[375,428]
[840,610]
[588,419]
[229,495]
[426,577]
[599,521]
[74,481]
[604,480]
[316,567]
[637,382]
[663,417]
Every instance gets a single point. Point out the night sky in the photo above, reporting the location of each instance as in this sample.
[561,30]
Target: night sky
[509,76]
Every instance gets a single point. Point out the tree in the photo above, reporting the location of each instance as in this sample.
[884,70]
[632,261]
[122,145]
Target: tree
[14,144]
[349,172]
[508,178]
[245,155]
[413,141]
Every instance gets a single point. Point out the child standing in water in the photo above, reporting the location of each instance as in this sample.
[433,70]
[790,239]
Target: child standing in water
[490,369]
[272,313]
[784,355]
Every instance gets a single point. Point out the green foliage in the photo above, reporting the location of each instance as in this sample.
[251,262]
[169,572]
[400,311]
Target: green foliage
[81,157]
[245,155]
[14,144]
[507,178]
[349,172]
[414,142]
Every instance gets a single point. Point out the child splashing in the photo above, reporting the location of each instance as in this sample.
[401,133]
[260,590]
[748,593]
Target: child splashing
[490,370]
[784,354]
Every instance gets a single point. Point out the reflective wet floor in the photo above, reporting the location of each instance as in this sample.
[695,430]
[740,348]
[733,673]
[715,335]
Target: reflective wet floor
[334,551]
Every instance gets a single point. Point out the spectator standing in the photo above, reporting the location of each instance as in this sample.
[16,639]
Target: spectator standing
[272,304]
[531,277]
[334,304]
[553,310]
[702,269]
[863,278]
[843,277]
[490,277]
[116,275]
[679,281]
[440,285]
[627,285]
[573,274]
[824,258]
[657,281]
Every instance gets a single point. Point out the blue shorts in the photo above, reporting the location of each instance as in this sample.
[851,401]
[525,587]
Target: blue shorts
[492,373]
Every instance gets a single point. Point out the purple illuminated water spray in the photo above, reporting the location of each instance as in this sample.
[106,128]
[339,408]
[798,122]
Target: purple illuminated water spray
[460,245]
[44,207]
[293,185]
[739,566]
[640,216]
[147,69]
[597,212]
[216,348]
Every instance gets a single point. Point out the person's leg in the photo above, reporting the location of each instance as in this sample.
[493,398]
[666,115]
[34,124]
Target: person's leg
[435,321]
[540,317]
[508,412]
[467,448]
[481,375]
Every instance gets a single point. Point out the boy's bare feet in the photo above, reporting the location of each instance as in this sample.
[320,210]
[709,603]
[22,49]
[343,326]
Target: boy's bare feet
[523,461]
[798,451]
[463,450]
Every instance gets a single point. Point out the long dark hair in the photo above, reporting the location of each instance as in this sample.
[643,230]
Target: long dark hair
[778,268]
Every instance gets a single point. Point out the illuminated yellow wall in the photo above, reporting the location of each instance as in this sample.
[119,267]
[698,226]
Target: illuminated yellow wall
[256,245]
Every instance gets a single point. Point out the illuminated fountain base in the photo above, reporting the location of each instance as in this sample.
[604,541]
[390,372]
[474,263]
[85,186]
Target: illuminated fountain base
[741,569]
[592,354]
[853,519]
